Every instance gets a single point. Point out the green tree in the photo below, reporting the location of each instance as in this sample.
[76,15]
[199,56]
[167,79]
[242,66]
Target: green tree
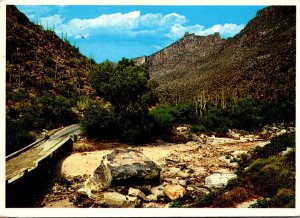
[127,87]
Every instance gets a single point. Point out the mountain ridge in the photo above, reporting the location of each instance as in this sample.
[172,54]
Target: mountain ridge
[257,62]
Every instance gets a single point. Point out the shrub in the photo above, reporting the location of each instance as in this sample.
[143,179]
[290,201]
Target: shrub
[163,120]
[260,203]
[207,199]
[99,123]
[271,174]
[16,136]
[229,198]
[51,112]
[235,182]
[198,128]
[166,117]
[285,198]
[278,144]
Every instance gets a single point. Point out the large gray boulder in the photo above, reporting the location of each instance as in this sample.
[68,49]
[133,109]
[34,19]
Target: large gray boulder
[122,167]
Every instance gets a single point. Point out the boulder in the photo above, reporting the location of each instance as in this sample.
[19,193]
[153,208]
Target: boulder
[174,191]
[123,167]
[218,180]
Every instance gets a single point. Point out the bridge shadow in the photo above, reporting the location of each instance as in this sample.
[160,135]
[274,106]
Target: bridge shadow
[30,190]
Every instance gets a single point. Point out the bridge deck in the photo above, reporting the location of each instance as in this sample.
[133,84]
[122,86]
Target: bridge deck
[26,161]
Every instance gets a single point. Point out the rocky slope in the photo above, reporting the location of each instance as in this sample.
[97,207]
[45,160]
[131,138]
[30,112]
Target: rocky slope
[39,63]
[47,82]
[260,61]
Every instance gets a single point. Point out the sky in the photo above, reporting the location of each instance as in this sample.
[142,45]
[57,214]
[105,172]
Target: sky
[106,32]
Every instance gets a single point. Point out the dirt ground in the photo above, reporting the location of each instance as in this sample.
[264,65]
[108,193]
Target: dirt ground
[198,161]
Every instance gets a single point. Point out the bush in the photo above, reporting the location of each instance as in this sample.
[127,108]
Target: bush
[166,117]
[278,144]
[134,125]
[285,198]
[16,136]
[271,174]
[50,112]
[99,123]
[208,199]
[245,114]
[198,128]
[163,120]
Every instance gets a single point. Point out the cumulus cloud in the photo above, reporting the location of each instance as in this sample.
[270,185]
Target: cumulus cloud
[226,30]
[129,24]
[132,24]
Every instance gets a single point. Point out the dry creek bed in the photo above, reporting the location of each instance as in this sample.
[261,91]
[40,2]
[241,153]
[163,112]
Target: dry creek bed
[185,164]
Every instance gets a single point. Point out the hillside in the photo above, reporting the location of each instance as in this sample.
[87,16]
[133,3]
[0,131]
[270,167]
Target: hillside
[260,61]
[46,78]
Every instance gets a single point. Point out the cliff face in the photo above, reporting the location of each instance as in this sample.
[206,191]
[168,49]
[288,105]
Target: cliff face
[260,61]
[160,62]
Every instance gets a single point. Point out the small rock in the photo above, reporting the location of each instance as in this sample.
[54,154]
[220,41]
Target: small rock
[183,174]
[238,154]
[233,165]
[137,193]
[182,182]
[182,129]
[288,149]
[197,138]
[218,180]
[190,188]
[281,132]
[263,144]
[115,199]
[233,135]
[153,205]
[134,200]
[152,197]
[174,191]
[158,191]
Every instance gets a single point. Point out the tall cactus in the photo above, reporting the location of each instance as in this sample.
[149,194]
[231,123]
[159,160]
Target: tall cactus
[234,96]
[223,99]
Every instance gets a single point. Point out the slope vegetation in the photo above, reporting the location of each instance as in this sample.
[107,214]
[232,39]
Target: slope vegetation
[46,79]
[259,62]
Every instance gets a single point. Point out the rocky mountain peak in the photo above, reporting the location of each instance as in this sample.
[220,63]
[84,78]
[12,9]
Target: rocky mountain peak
[257,62]
[184,47]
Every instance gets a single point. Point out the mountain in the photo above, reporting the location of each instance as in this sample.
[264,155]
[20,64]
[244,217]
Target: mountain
[46,79]
[39,62]
[258,62]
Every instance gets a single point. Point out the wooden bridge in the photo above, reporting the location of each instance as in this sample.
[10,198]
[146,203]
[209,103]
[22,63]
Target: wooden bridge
[28,159]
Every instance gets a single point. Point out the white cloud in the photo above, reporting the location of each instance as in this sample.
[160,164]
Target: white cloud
[51,21]
[132,24]
[226,30]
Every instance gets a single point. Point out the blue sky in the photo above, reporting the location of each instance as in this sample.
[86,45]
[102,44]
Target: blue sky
[112,32]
